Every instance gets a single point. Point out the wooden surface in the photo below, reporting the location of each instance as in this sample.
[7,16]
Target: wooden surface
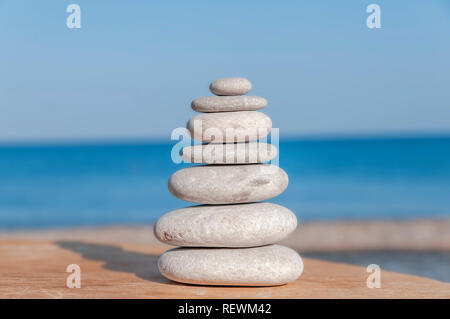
[37,269]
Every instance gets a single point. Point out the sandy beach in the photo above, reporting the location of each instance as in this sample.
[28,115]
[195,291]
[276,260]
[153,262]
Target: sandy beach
[342,236]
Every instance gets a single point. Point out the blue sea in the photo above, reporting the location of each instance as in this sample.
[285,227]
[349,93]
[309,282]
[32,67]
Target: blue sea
[126,183]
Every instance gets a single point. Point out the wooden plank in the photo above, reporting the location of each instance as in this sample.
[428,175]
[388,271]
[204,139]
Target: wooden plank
[37,269]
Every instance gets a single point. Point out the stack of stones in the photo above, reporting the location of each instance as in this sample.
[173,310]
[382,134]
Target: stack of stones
[230,239]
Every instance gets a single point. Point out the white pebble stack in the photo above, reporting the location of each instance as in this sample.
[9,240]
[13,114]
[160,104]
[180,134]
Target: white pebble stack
[230,240]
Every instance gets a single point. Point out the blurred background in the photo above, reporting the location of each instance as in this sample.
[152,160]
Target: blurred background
[364,116]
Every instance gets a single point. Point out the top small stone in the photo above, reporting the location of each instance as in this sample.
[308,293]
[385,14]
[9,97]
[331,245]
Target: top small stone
[230,86]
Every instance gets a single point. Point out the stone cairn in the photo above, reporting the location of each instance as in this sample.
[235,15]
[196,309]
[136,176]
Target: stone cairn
[230,239]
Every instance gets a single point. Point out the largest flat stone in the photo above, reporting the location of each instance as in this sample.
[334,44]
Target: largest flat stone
[242,225]
[228,184]
[259,266]
[229,127]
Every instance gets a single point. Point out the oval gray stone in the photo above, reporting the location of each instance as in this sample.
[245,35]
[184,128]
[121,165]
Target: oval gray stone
[230,86]
[228,103]
[228,184]
[270,265]
[236,153]
[244,225]
[229,127]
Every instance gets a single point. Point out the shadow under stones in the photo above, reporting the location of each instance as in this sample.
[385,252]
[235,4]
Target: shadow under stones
[115,258]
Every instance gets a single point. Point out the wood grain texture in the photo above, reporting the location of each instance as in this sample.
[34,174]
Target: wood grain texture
[37,269]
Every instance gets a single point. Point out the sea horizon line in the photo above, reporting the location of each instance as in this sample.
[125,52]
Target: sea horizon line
[111,141]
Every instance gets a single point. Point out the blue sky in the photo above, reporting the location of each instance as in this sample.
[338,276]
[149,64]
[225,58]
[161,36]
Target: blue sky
[133,68]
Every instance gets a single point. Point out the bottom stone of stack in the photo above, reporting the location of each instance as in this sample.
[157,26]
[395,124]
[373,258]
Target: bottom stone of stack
[270,265]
